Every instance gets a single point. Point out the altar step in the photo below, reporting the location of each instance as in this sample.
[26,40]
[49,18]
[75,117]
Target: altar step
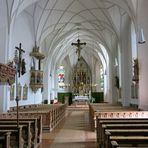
[78,107]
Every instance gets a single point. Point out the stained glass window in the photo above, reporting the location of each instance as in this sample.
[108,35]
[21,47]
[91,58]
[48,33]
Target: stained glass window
[61,77]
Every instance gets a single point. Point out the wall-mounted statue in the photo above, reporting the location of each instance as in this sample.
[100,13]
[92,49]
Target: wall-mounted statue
[23,70]
[136,70]
[117,81]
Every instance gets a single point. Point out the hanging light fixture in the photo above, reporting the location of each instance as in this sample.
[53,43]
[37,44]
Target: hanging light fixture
[141,38]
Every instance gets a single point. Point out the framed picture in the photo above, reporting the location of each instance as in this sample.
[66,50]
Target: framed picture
[25,92]
[19,89]
[12,92]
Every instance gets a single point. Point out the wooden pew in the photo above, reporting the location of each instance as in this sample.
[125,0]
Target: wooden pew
[5,138]
[30,138]
[51,114]
[104,111]
[36,125]
[122,115]
[100,133]
[36,119]
[128,141]
[123,132]
[18,135]
[95,110]
[102,141]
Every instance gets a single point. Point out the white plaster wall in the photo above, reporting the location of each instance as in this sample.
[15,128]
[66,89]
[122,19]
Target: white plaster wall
[22,33]
[143,55]
[3,53]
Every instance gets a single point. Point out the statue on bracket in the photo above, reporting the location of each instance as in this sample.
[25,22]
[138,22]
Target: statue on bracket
[23,70]
[136,70]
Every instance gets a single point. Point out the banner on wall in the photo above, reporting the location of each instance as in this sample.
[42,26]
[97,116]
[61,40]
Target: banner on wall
[7,74]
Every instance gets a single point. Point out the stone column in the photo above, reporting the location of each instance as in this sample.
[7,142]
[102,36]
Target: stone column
[143,55]
[126,62]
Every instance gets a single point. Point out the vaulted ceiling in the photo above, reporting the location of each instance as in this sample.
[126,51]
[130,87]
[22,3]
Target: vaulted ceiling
[58,23]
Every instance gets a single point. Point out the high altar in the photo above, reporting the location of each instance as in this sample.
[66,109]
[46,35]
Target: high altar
[81,79]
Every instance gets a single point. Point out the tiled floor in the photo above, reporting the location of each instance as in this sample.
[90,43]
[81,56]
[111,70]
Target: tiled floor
[73,132]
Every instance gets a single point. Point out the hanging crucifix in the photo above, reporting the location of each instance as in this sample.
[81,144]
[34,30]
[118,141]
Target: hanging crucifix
[78,45]
[21,62]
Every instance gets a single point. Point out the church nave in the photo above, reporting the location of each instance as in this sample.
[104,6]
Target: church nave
[73,132]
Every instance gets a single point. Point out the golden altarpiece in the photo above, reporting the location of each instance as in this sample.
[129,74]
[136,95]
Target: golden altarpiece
[81,78]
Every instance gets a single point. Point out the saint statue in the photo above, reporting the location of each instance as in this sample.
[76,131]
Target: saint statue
[117,81]
[136,70]
[23,67]
[81,89]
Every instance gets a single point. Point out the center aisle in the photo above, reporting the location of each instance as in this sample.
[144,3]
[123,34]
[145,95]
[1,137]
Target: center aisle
[75,132]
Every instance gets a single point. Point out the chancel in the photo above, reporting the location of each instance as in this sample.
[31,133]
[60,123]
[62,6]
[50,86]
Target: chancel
[81,73]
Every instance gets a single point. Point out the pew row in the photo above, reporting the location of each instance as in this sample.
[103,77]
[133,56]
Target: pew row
[51,114]
[105,142]
[35,118]
[5,138]
[124,132]
[96,108]
[34,125]
[128,120]
[31,134]
[115,144]
[16,138]
[101,128]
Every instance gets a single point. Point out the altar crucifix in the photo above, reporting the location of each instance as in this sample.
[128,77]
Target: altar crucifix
[21,62]
[78,45]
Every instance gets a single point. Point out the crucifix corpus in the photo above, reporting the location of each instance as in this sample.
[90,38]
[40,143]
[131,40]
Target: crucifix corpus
[21,62]
[78,45]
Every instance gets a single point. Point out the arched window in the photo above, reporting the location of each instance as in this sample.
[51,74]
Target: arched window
[102,78]
[61,77]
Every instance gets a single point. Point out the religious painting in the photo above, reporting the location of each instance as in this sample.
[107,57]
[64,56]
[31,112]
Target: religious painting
[19,91]
[12,92]
[7,74]
[135,70]
[25,92]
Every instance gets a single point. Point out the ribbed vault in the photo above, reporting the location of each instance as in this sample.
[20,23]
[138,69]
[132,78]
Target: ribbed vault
[57,23]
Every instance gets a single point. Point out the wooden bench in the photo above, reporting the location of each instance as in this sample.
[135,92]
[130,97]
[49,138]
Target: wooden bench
[31,137]
[17,135]
[116,115]
[128,141]
[96,110]
[123,132]
[102,141]
[5,138]
[51,115]
[117,121]
[101,112]
[36,125]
